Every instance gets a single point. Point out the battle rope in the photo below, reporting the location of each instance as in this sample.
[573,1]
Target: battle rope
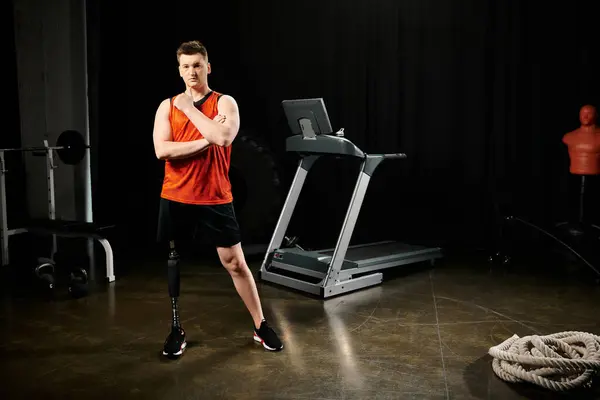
[560,361]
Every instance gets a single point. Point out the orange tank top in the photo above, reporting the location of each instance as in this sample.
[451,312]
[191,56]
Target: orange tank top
[203,178]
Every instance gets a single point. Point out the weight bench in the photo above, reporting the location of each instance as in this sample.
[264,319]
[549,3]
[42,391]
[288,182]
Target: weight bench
[76,229]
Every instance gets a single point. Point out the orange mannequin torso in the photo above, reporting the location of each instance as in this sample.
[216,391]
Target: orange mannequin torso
[584,144]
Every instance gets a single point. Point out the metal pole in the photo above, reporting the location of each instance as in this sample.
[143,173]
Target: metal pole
[3,213]
[51,199]
[89,215]
[581,198]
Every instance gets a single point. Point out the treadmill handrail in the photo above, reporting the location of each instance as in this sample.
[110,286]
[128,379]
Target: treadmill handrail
[323,145]
[332,145]
[388,155]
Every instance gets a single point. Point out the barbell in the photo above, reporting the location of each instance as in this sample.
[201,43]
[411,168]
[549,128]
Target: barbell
[70,147]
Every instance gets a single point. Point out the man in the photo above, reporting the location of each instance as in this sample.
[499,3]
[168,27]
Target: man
[193,132]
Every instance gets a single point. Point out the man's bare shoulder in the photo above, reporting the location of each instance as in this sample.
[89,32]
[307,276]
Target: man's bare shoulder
[226,99]
[166,102]
[227,103]
[164,105]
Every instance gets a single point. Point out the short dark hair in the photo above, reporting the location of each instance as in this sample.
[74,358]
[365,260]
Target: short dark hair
[190,48]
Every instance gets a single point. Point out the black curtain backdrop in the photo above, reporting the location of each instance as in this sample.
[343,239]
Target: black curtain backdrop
[10,136]
[477,93]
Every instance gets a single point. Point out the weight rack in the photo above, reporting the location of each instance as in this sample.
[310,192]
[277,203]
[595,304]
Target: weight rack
[53,227]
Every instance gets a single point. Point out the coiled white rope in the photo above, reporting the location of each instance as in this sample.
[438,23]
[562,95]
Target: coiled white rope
[560,361]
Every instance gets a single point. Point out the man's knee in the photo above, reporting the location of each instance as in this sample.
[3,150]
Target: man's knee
[235,266]
[233,259]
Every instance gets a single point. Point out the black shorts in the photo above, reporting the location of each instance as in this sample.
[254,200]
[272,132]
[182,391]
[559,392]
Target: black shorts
[182,222]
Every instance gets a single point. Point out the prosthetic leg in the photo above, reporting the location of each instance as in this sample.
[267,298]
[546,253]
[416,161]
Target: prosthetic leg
[175,343]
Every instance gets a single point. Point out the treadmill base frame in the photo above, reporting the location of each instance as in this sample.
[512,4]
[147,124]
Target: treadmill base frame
[347,280]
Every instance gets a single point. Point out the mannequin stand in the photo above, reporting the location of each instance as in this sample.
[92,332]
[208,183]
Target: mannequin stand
[580,230]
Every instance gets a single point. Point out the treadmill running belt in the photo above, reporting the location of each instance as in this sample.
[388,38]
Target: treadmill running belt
[363,252]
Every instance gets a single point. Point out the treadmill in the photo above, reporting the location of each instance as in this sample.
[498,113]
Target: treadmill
[331,272]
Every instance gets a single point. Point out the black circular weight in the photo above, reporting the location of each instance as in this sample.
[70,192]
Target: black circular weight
[78,283]
[45,273]
[256,187]
[71,147]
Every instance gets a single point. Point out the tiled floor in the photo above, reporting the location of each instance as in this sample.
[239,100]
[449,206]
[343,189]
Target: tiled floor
[423,334]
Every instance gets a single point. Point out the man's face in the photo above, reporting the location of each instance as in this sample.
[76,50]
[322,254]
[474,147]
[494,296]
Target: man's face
[587,115]
[193,69]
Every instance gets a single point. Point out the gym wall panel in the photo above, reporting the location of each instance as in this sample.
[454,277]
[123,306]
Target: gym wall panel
[50,46]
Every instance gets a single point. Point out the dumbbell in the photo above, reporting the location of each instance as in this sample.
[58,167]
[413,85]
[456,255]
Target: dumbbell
[78,283]
[291,242]
[45,272]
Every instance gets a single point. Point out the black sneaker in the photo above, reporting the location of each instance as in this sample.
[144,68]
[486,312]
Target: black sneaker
[175,343]
[266,336]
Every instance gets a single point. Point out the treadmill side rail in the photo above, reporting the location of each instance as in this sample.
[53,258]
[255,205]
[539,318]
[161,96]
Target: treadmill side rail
[304,166]
[348,225]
